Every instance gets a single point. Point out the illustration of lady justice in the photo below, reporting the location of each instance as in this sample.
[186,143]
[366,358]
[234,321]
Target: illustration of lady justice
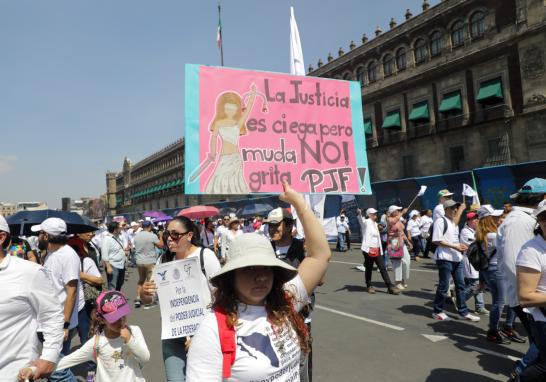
[229,124]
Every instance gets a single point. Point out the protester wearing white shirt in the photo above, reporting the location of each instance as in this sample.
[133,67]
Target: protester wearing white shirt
[372,250]
[531,268]
[221,229]
[426,223]
[443,196]
[28,300]
[64,264]
[471,275]
[448,258]
[113,255]
[414,231]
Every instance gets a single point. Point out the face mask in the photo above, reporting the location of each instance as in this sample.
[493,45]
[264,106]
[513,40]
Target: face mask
[42,245]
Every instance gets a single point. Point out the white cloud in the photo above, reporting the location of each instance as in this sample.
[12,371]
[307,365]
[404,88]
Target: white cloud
[7,163]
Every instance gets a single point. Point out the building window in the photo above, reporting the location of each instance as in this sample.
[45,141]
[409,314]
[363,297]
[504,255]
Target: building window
[457,34]
[372,72]
[436,44]
[493,147]
[401,59]
[360,75]
[456,156]
[420,51]
[388,65]
[407,166]
[477,25]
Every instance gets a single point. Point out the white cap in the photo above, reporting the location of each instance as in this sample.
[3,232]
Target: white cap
[134,224]
[371,211]
[52,226]
[540,209]
[488,210]
[393,208]
[413,213]
[4,224]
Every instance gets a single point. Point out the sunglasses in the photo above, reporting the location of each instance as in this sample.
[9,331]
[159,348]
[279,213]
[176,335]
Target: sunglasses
[176,235]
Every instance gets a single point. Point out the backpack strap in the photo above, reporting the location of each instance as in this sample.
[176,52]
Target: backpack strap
[445,224]
[227,342]
[202,261]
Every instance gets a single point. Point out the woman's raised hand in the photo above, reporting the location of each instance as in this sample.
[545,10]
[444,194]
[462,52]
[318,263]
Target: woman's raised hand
[292,197]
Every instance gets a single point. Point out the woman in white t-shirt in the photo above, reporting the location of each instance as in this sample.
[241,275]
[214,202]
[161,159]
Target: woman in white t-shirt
[231,233]
[531,275]
[184,242]
[486,236]
[256,305]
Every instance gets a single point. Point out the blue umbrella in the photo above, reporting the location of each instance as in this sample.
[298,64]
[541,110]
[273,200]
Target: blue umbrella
[20,223]
[255,209]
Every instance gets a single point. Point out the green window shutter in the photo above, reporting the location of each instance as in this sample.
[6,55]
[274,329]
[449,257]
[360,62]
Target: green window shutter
[368,126]
[491,90]
[451,102]
[419,112]
[392,121]
[179,182]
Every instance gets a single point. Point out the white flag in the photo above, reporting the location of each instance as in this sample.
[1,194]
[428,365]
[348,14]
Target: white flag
[297,66]
[422,191]
[469,191]
[316,204]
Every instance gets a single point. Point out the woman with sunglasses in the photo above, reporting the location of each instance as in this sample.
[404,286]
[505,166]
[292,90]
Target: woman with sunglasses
[183,240]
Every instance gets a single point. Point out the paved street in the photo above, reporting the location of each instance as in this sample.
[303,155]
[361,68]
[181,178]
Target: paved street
[362,337]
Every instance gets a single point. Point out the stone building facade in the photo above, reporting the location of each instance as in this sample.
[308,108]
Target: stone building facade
[461,85]
[154,183]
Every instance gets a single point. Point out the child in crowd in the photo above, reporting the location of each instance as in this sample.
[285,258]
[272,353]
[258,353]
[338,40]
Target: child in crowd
[119,350]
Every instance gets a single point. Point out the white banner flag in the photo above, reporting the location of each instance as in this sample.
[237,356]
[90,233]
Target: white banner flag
[471,193]
[422,191]
[316,204]
[296,54]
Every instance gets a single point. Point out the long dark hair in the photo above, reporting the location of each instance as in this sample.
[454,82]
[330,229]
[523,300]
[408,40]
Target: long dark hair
[279,305]
[188,225]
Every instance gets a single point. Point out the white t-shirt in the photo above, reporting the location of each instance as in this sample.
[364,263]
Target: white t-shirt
[491,247]
[342,226]
[263,353]
[533,255]
[227,238]
[28,298]
[90,268]
[116,360]
[426,222]
[438,212]
[64,265]
[451,236]
[413,227]
[467,237]
[516,230]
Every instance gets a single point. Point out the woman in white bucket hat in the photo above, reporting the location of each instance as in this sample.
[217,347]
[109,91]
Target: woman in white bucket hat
[255,331]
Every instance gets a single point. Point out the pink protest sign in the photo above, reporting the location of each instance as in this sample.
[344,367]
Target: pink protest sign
[248,131]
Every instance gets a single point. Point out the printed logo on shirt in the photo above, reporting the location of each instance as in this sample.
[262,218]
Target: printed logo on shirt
[260,343]
[163,275]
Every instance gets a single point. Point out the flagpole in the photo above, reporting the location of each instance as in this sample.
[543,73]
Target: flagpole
[220,35]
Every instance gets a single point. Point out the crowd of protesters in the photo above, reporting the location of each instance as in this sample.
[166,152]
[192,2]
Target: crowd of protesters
[258,281]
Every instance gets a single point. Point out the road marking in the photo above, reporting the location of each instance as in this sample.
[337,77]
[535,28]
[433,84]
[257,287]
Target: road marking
[434,338]
[357,264]
[490,352]
[368,320]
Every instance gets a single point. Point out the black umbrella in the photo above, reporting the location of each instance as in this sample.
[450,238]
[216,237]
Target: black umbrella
[20,223]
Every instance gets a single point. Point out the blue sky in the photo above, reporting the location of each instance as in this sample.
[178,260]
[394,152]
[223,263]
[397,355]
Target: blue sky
[85,83]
